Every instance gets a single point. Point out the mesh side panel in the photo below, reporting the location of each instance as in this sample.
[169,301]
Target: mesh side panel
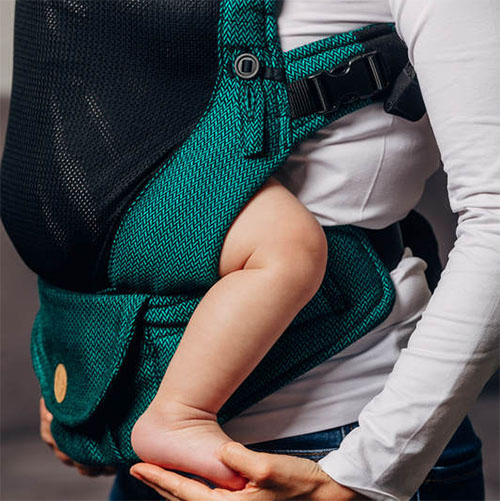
[102,93]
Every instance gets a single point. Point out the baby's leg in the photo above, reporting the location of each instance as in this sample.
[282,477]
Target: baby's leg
[272,262]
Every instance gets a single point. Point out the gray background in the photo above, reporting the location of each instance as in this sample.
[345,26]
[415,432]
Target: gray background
[28,469]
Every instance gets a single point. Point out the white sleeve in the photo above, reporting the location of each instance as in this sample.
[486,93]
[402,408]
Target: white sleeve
[454,46]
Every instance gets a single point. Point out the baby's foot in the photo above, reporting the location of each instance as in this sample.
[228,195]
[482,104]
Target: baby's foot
[181,438]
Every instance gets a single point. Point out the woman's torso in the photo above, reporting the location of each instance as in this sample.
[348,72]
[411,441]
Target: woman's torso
[368,169]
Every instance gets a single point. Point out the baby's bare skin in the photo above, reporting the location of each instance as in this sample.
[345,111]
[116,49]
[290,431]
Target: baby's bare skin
[272,263]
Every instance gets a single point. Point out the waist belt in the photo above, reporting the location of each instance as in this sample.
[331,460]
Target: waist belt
[131,149]
[388,243]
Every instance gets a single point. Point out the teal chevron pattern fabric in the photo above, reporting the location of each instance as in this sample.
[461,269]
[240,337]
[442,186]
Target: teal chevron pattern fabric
[116,344]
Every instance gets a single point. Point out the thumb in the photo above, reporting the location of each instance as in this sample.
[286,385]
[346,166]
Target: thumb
[242,460]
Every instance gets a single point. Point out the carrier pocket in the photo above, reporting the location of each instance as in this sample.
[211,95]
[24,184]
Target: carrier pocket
[79,342]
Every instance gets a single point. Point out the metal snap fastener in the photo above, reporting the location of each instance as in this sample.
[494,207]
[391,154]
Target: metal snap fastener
[246,66]
[60,383]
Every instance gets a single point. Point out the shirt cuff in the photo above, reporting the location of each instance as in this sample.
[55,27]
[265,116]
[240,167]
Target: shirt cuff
[339,467]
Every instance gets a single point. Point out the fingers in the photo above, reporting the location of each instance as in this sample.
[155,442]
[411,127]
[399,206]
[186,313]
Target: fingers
[239,458]
[280,476]
[45,420]
[43,410]
[94,471]
[46,435]
[108,471]
[258,467]
[64,458]
[172,485]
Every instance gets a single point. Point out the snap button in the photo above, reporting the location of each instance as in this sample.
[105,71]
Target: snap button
[60,383]
[246,66]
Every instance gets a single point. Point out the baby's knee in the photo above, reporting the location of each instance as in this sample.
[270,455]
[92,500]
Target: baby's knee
[303,258]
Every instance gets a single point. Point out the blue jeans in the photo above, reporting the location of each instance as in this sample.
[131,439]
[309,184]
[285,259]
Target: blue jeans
[457,475]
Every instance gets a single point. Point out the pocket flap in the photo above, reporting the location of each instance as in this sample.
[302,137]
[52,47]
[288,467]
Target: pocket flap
[78,344]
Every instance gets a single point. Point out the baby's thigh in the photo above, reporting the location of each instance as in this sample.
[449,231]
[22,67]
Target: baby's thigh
[273,217]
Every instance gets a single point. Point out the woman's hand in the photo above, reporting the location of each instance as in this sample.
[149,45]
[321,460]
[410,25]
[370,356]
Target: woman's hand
[45,420]
[271,477]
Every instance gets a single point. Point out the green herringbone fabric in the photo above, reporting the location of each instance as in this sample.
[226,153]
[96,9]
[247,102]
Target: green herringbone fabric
[116,345]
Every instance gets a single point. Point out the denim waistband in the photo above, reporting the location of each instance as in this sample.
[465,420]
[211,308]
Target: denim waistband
[463,445]
[329,438]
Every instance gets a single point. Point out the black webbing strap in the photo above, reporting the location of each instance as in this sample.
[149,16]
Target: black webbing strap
[383,72]
[388,243]
[405,99]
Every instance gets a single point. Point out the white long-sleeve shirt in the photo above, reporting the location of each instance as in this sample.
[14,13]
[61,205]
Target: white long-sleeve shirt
[411,381]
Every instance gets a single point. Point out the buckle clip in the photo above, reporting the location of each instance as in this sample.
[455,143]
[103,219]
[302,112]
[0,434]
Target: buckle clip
[360,78]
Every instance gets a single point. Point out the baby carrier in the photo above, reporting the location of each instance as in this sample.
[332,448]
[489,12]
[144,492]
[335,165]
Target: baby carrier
[138,130]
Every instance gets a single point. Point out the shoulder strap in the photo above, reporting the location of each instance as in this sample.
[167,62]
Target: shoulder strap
[331,77]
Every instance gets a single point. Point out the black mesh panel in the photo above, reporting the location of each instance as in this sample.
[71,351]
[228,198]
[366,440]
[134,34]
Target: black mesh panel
[103,90]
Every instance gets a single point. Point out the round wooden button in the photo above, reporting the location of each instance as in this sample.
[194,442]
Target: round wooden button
[60,383]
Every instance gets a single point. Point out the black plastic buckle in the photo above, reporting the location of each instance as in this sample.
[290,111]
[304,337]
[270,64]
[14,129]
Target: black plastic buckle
[360,78]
